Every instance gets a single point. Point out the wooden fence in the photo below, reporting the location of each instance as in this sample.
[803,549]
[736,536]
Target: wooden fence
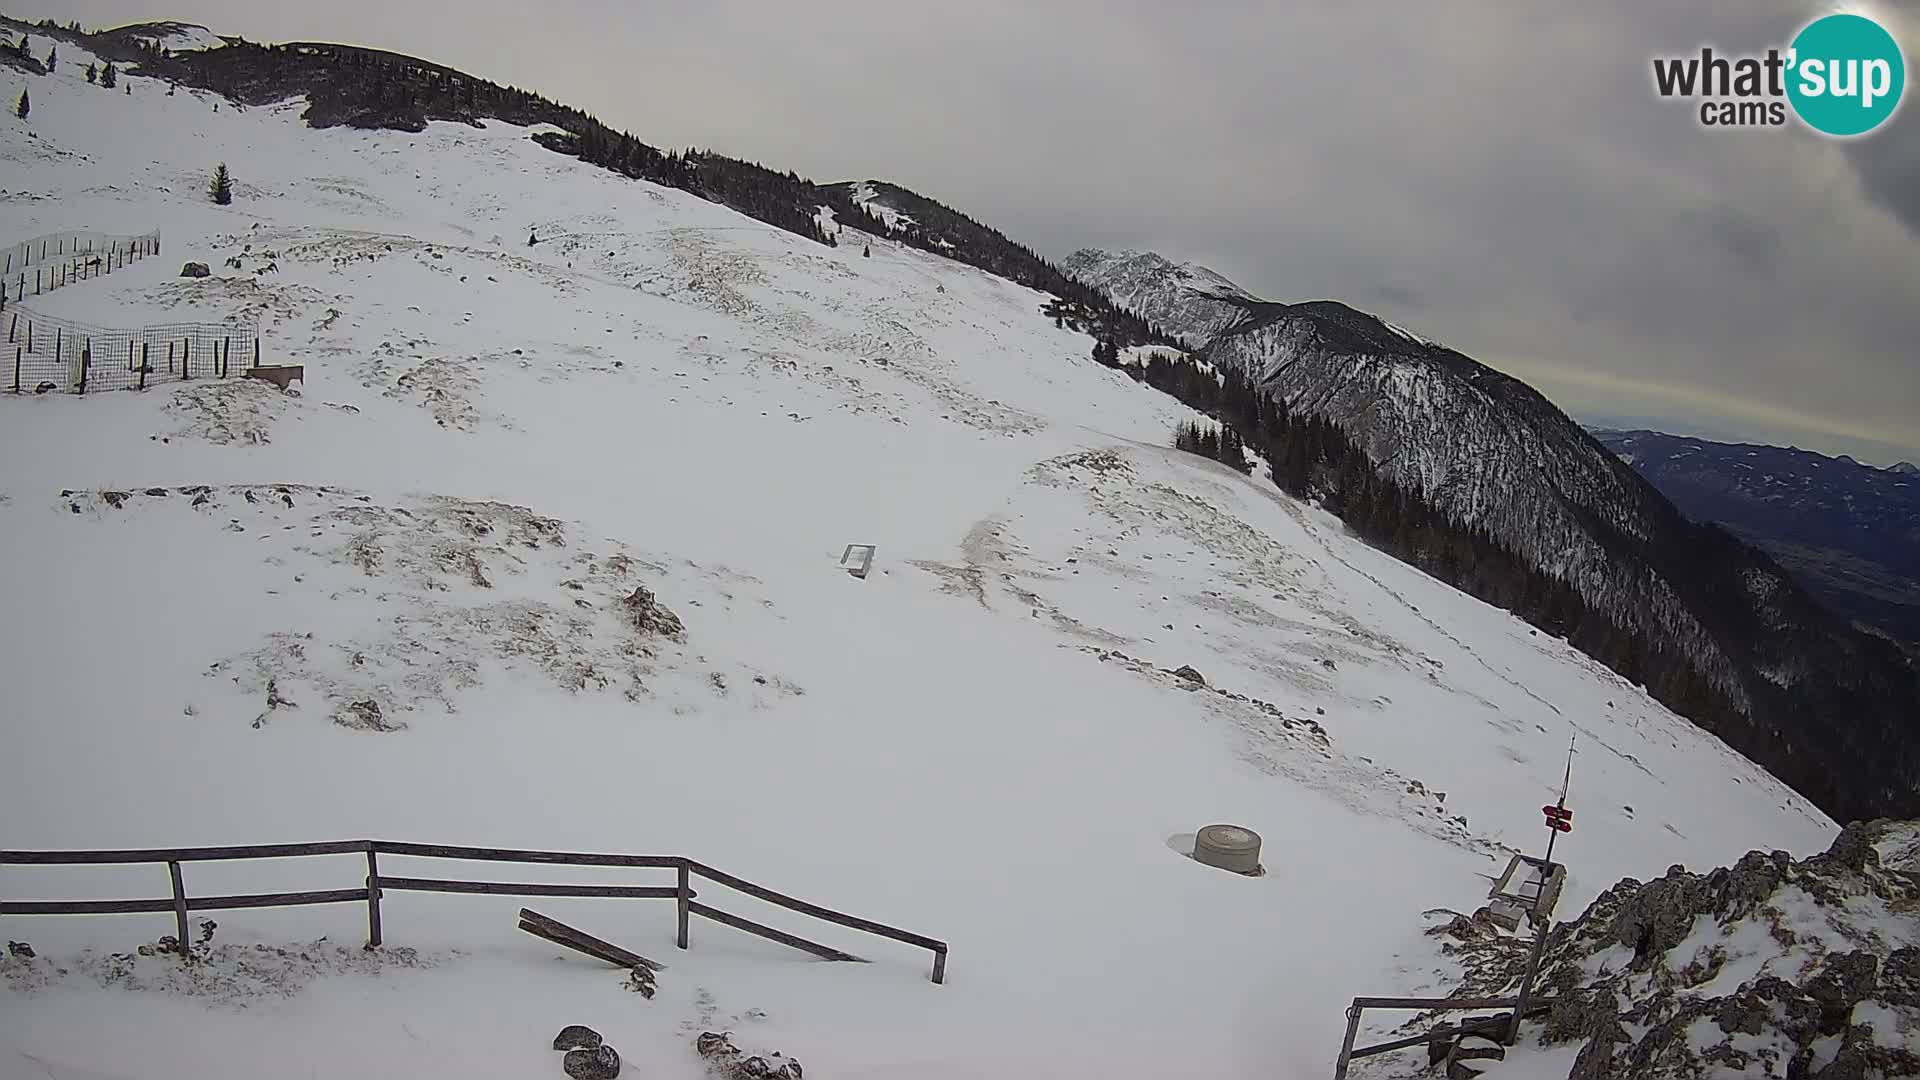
[376,883]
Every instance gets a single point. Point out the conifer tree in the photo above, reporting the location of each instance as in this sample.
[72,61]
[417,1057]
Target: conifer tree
[866,251]
[221,191]
[107,76]
[93,73]
[53,56]
[20,110]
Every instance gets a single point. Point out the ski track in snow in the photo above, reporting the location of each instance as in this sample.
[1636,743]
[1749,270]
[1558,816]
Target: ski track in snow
[396,605]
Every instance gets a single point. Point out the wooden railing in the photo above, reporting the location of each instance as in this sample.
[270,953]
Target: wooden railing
[376,883]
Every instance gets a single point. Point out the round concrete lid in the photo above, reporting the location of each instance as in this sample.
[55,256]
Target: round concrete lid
[1229,838]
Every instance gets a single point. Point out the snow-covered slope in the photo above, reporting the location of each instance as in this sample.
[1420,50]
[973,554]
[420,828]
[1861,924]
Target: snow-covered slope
[394,606]
[1718,624]
[1186,300]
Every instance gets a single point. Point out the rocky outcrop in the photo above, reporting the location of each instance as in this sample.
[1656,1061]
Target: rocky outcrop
[1770,967]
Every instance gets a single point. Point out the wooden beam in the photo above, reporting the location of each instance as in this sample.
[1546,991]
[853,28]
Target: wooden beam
[373,899]
[502,888]
[284,899]
[768,932]
[560,933]
[566,858]
[83,907]
[851,921]
[196,854]
[1434,1003]
[1465,1027]
[179,905]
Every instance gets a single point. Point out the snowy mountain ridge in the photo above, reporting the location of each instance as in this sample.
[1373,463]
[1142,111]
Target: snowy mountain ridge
[1493,455]
[404,602]
[1187,300]
[1851,532]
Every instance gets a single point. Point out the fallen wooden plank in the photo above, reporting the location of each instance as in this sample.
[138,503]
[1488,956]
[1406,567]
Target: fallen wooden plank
[768,932]
[560,933]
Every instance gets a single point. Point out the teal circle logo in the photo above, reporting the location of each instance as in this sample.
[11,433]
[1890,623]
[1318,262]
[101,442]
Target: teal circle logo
[1846,75]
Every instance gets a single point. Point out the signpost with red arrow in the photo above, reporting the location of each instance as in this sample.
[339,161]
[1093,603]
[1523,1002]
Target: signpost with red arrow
[1559,818]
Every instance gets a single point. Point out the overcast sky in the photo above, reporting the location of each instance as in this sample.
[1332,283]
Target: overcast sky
[1498,176]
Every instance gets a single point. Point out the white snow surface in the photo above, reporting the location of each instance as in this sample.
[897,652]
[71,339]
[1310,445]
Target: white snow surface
[980,742]
[864,195]
[184,37]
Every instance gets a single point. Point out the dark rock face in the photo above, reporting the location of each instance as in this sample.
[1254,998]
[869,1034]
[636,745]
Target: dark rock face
[600,1063]
[194,269]
[577,1037]
[1847,980]
[647,615]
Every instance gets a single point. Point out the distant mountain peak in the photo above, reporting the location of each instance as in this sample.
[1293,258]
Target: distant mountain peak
[1905,468]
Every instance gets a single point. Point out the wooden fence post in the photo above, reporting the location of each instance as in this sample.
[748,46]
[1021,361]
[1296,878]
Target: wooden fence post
[179,905]
[129,354]
[143,366]
[86,361]
[186,358]
[256,348]
[939,966]
[16,369]
[685,894]
[373,899]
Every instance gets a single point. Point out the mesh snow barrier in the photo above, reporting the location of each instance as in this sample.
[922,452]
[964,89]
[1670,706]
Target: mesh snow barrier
[45,263]
[48,354]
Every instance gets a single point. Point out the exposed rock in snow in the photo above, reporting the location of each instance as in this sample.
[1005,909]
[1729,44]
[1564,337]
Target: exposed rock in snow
[1771,967]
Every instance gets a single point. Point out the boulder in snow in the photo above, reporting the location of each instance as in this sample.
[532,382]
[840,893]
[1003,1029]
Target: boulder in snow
[600,1063]
[577,1037]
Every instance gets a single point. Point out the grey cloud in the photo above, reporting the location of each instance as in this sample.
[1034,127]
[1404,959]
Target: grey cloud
[1497,176]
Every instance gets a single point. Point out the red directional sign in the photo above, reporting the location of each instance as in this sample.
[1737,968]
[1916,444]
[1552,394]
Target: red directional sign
[1559,818]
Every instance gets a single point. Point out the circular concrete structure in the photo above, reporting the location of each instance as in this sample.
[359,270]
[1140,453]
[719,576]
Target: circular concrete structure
[1229,847]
